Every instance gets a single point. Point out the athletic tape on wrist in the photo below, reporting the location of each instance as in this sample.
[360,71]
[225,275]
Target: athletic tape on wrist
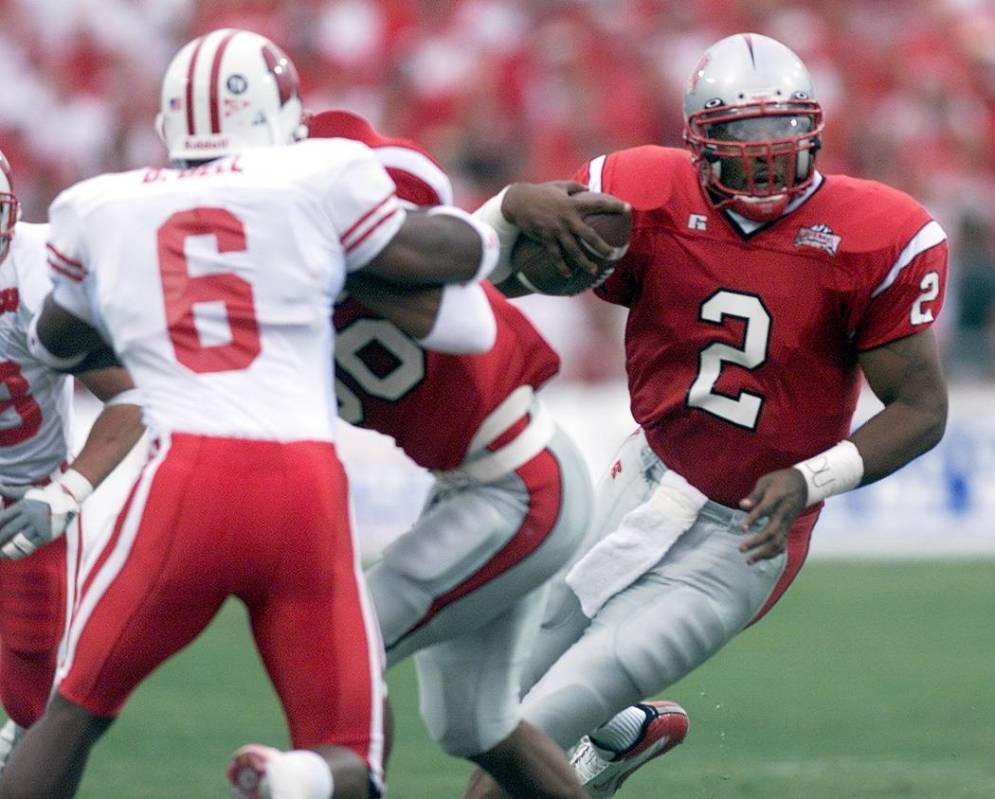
[491,213]
[77,486]
[834,471]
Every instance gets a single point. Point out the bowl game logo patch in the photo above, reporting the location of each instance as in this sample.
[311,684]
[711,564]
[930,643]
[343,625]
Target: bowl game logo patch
[819,236]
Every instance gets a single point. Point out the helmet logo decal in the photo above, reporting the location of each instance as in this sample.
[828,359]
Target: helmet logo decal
[237,84]
[821,237]
[283,73]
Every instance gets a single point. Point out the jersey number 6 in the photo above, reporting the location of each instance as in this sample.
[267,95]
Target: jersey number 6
[182,293]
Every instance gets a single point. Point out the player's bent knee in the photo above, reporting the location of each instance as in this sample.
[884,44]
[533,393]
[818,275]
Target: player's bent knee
[470,737]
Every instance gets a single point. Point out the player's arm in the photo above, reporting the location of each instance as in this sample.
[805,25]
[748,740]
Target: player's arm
[116,429]
[41,514]
[551,214]
[441,245]
[907,377]
[60,339]
[455,318]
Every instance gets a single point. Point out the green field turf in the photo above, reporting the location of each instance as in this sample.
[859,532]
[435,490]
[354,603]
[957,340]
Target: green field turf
[869,680]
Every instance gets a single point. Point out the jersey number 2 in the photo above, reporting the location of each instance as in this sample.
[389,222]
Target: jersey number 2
[742,410]
[183,292]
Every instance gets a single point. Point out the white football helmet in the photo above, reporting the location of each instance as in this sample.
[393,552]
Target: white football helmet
[753,125]
[227,91]
[10,210]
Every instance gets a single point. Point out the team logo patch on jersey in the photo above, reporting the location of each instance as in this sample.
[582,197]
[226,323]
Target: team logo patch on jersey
[819,236]
[697,222]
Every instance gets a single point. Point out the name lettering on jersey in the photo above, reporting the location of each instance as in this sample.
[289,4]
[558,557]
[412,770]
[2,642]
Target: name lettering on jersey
[697,222]
[821,237]
[223,167]
[10,300]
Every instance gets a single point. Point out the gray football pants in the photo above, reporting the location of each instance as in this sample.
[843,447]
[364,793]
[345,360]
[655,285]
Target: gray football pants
[455,592]
[648,636]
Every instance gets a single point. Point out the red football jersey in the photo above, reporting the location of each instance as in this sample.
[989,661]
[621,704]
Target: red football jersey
[430,403]
[742,339]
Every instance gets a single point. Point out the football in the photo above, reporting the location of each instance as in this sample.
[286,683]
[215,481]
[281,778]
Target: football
[534,271]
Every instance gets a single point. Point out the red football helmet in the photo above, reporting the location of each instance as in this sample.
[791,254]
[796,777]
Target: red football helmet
[10,210]
[752,124]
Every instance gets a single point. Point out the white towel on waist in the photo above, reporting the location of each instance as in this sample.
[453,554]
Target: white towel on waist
[642,538]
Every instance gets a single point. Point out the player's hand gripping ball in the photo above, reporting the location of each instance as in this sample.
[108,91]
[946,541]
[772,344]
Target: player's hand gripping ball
[536,272]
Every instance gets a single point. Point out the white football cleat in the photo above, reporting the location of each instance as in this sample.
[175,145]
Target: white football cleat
[247,772]
[602,772]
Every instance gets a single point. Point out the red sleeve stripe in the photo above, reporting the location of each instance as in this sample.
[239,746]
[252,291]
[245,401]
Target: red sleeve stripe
[67,263]
[352,228]
[74,276]
[63,257]
[390,213]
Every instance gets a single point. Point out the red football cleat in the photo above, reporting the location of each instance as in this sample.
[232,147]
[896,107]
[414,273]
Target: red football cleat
[602,772]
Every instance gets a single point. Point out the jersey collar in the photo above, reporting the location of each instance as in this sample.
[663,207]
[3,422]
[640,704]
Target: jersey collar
[747,227]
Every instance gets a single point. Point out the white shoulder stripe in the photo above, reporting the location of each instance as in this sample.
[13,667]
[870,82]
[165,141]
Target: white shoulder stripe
[928,236]
[418,165]
[594,178]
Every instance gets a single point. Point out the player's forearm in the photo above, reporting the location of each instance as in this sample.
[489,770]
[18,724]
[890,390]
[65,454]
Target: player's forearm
[899,433]
[115,431]
[444,245]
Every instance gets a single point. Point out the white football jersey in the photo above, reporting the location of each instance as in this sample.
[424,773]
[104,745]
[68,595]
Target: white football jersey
[214,284]
[35,402]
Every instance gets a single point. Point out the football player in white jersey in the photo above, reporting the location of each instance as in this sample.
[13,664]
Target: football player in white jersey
[214,282]
[37,593]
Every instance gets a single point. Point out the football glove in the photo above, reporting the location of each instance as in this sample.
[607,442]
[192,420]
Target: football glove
[41,514]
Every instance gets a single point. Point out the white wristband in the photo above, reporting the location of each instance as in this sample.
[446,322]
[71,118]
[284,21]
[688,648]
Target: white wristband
[489,243]
[78,487]
[834,471]
[464,321]
[127,397]
[490,212]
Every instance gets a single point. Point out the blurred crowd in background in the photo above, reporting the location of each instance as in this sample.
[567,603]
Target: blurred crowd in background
[504,90]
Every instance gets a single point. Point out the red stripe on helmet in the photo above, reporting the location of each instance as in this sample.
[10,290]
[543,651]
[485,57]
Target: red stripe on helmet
[215,73]
[284,73]
[190,71]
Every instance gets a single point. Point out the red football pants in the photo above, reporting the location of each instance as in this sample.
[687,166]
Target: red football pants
[267,522]
[32,614]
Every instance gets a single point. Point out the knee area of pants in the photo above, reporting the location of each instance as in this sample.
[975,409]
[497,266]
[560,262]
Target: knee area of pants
[655,662]
[471,737]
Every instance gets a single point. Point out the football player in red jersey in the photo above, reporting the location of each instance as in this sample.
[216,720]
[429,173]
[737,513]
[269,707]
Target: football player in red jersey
[760,294]
[510,506]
